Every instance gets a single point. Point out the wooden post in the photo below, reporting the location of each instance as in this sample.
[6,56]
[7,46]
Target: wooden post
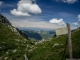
[69,41]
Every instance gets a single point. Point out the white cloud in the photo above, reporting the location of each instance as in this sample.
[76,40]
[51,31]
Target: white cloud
[57,21]
[19,13]
[1,3]
[25,8]
[79,17]
[75,23]
[33,24]
[67,1]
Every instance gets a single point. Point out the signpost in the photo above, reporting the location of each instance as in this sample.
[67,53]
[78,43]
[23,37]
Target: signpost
[66,30]
[61,31]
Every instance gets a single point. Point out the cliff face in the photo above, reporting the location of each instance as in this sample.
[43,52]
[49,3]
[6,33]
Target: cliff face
[4,20]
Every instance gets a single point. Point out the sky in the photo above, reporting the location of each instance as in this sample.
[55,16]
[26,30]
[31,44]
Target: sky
[41,14]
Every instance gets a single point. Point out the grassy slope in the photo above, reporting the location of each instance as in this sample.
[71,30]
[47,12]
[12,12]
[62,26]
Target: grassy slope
[11,45]
[47,50]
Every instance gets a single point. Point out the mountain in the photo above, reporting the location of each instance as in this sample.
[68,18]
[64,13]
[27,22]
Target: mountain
[39,35]
[4,20]
[46,34]
[32,34]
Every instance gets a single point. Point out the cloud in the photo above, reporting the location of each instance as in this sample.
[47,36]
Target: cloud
[32,22]
[19,13]
[25,8]
[75,23]
[79,17]
[57,21]
[35,24]
[1,3]
[67,1]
